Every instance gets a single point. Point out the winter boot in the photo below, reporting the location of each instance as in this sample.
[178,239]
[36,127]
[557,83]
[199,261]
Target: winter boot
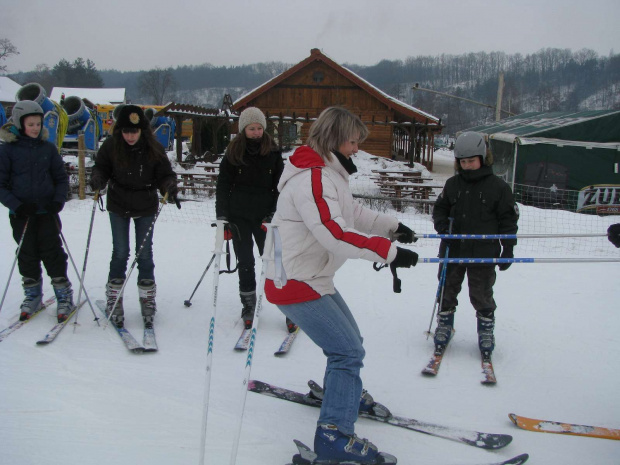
[64,298]
[248,300]
[333,446]
[147,290]
[33,291]
[113,292]
[444,330]
[486,325]
[292,327]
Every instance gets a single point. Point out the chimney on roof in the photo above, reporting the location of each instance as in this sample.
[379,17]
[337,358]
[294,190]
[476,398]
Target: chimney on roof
[315,51]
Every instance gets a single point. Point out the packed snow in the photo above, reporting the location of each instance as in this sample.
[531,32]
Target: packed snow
[84,399]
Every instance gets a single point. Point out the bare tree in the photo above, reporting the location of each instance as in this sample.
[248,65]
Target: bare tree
[7,49]
[157,84]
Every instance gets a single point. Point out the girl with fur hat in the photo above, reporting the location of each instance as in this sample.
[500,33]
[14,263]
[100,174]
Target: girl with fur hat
[246,197]
[133,166]
[33,186]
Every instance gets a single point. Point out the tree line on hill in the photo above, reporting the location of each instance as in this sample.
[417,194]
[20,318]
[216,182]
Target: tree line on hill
[548,80]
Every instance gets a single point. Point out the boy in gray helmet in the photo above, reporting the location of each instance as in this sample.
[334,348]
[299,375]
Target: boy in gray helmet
[479,202]
[33,186]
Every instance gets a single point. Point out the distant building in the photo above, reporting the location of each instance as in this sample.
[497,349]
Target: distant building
[102,96]
[301,93]
[8,89]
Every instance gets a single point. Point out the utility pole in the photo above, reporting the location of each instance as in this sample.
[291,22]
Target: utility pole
[500,91]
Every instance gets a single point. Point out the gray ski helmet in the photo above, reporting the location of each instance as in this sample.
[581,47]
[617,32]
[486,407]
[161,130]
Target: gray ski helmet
[25,108]
[470,144]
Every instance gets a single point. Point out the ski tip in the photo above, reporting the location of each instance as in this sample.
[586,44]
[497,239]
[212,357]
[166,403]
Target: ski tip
[513,418]
[519,459]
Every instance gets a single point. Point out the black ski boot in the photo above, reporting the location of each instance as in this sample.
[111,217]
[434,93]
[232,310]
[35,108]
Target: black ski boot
[33,291]
[486,339]
[248,300]
[290,326]
[444,330]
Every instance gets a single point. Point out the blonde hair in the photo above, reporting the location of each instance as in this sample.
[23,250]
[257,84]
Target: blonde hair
[333,127]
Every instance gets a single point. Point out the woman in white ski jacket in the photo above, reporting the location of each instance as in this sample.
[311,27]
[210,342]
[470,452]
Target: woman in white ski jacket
[320,226]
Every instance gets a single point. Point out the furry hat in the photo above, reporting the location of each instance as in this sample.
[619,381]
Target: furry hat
[132,116]
[249,116]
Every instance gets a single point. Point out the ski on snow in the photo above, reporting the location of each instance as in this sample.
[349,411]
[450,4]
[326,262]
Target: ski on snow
[545,426]
[307,456]
[126,336]
[18,324]
[487,369]
[244,341]
[58,327]
[287,343]
[472,438]
[148,340]
[432,367]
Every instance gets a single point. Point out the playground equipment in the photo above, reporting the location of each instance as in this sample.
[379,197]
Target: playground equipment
[55,118]
[82,119]
[163,128]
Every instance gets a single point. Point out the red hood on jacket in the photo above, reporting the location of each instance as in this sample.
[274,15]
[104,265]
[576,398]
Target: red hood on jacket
[305,157]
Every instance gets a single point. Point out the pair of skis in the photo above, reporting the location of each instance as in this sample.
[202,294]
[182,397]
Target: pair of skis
[149,342]
[18,324]
[476,439]
[488,372]
[244,341]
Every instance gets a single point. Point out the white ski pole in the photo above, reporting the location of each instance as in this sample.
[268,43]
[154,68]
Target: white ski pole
[19,247]
[267,256]
[218,251]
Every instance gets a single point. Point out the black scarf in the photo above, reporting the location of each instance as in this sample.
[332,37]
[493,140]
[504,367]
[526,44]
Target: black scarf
[347,163]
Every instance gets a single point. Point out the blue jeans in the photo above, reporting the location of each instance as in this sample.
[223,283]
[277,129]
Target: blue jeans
[120,247]
[330,324]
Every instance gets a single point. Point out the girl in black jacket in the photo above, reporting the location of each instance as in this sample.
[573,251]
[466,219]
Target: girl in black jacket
[246,197]
[133,165]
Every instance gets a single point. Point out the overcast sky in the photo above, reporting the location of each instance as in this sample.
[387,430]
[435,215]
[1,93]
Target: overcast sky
[144,34]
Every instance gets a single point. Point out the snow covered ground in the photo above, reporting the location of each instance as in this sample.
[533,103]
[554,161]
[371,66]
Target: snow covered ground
[86,400]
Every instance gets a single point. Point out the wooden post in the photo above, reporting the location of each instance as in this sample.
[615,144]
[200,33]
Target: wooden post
[178,132]
[81,166]
[500,91]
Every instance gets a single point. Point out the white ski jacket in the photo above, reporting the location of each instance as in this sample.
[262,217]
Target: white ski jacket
[321,226]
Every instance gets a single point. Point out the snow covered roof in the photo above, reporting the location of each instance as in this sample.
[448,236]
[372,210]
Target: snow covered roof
[102,96]
[8,89]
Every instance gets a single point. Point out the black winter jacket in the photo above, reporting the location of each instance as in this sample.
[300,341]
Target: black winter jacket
[249,191]
[31,170]
[480,203]
[132,188]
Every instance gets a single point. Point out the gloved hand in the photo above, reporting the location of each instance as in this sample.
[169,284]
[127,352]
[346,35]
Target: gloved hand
[265,220]
[170,185]
[404,234]
[507,252]
[26,209]
[405,258]
[613,234]
[443,227]
[54,207]
[97,183]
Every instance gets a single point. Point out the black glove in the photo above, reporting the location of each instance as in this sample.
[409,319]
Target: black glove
[170,186]
[404,234]
[405,258]
[507,252]
[54,207]
[97,183]
[613,234]
[26,209]
[268,218]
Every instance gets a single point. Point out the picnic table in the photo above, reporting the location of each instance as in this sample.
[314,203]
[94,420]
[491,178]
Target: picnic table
[196,182]
[402,184]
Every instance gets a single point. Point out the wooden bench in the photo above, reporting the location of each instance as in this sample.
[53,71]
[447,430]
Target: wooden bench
[194,182]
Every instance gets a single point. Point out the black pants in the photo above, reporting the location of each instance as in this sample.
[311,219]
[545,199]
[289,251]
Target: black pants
[41,244]
[244,250]
[480,280]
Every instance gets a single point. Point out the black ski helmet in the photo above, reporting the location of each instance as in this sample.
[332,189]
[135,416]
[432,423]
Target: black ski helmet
[25,108]
[470,144]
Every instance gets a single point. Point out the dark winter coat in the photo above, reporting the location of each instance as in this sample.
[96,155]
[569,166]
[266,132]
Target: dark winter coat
[249,191]
[31,170]
[132,187]
[480,203]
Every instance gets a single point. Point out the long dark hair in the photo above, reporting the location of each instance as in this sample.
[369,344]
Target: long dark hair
[154,150]
[237,148]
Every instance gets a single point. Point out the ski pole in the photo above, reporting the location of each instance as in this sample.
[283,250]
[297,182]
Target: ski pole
[19,247]
[218,250]
[504,236]
[495,261]
[64,241]
[135,260]
[188,302]
[267,254]
[442,283]
[90,232]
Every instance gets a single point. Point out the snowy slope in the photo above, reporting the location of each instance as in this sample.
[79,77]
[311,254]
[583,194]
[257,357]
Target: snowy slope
[86,400]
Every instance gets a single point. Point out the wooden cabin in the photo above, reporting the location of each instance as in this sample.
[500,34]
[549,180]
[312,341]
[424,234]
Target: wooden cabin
[294,98]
